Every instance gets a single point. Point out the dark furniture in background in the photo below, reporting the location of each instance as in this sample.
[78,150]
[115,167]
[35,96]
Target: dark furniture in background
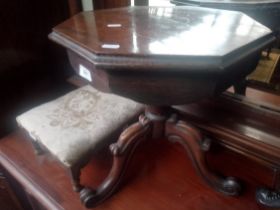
[30,65]
[105,4]
[33,69]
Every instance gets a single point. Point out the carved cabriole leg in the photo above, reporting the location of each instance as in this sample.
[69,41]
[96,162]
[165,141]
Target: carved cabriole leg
[121,151]
[192,140]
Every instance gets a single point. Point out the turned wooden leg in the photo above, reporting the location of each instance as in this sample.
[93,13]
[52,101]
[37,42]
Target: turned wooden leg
[192,140]
[74,174]
[37,148]
[121,151]
[240,87]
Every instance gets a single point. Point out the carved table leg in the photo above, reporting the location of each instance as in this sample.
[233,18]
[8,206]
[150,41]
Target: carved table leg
[192,140]
[155,124]
[121,151]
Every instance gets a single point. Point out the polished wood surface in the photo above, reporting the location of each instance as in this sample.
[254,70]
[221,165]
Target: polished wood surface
[145,53]
[150,184]
[156,31]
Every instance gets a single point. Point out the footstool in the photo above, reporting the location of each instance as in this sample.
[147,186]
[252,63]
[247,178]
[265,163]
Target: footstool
[75,126]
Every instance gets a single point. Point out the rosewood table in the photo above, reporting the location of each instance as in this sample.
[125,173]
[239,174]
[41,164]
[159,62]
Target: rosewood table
[162,56]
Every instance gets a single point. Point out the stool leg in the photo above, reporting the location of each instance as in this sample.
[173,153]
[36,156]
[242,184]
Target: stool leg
[121,151]
[74,173]
[37,148]
[240,87]
[196,146]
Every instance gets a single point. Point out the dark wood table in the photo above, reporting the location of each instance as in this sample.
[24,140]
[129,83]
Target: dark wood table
[159,56]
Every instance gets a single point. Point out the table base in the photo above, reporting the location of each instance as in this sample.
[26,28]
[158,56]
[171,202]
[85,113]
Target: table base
[156,123]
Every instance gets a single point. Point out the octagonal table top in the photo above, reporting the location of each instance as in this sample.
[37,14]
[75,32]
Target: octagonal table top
[160,32]
[207,47]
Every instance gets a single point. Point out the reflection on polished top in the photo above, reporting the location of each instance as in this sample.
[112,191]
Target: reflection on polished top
[155,31]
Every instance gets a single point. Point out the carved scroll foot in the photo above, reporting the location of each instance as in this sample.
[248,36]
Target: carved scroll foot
[196,146]
[121,151]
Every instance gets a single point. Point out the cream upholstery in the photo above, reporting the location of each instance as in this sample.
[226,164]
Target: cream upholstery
[73,125]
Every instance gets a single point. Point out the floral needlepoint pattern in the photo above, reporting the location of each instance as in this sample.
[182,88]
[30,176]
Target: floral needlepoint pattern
[73,126]
[75,110]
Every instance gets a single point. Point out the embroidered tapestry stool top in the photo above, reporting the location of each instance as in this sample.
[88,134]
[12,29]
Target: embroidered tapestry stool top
[74,125]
